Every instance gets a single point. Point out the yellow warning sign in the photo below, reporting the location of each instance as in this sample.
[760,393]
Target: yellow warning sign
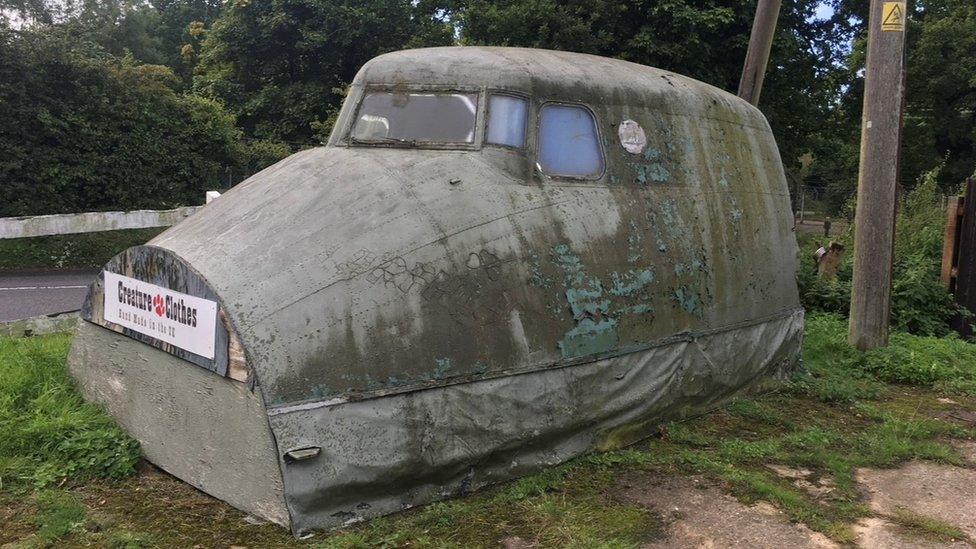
[893,16]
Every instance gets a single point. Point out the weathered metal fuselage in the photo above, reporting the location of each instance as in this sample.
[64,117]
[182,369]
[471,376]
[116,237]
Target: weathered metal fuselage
[420,321]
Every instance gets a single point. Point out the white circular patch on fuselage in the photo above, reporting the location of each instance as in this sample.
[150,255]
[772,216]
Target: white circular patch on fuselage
[632,136]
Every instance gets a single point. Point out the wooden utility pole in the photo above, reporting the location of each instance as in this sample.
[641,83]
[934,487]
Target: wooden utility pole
[760,42]
[874,221]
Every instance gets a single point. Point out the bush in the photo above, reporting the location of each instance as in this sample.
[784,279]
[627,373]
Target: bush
[89,250]
[920,304]
[81,130]
[47,432]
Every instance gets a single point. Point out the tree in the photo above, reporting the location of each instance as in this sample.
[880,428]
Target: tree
[81,130]
[940,118]
[940,110]
[706,40]
[280,65]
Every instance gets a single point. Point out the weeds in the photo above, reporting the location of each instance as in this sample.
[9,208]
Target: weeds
[920,304]
[839,373]
[59,514]
[840,415]
[47,432]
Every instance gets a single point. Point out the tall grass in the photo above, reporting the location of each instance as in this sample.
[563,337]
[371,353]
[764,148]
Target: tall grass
[942,363]
[48,434]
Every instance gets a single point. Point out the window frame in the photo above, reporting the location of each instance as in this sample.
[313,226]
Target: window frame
[479,119]
[528,118]
[599,142]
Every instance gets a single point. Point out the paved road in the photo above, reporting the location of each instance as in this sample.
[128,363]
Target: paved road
[24,294]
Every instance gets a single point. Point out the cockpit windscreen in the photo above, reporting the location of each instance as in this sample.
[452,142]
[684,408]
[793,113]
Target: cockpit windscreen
[416,117]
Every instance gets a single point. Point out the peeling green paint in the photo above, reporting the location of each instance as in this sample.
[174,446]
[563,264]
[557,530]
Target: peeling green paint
[655,172]
[587,302]
[538,278]
[443,365]
[689,301]
[630,282]
[634,243]
[570,264]
[598,306]
[589,337]
[723,181]
[658,173]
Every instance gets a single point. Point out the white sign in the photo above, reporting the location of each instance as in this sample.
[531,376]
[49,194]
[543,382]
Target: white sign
[182,320]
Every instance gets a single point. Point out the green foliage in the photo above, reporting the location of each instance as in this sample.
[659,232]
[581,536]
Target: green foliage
[940,128]
[83,131]
[756,411]
[564,506]
[59,514]
[91,250]
[47,432]
[129,540]
[706,40]
[840,373]
[278,65]
[924,361]
[920,304]
[927,527]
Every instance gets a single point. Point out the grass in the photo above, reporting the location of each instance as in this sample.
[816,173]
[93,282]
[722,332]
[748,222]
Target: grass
[87,250]
[947,363]
[927,527]
[48,434]
[847,411]
[59,514]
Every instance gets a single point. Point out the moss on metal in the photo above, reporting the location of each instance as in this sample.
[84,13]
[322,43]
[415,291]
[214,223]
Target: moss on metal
[436,320]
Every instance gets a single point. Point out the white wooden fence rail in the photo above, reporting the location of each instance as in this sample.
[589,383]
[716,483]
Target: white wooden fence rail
[90,222]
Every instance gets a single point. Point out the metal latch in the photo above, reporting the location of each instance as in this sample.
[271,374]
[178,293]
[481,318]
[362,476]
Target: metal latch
[301,454]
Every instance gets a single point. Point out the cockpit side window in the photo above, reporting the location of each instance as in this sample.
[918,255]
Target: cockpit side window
[506,120]
[569,143]
[416,117]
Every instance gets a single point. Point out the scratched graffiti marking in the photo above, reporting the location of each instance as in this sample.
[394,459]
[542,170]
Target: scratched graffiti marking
[486,261]
[395,272]
[360,263]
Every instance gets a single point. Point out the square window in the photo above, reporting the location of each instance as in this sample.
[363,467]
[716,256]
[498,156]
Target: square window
[506,120]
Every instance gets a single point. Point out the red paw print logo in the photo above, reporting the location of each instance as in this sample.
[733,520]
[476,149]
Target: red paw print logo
[158,304]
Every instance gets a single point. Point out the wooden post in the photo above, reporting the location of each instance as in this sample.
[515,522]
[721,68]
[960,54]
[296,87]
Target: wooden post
[760,42]
[874,221]
[949,243]
[965,287]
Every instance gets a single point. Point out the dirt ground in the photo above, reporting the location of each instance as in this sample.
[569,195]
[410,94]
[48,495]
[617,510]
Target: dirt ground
[698,514]
[696,511]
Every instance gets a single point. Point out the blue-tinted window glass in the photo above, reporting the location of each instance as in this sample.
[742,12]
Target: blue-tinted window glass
[506,120]
[568,142]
